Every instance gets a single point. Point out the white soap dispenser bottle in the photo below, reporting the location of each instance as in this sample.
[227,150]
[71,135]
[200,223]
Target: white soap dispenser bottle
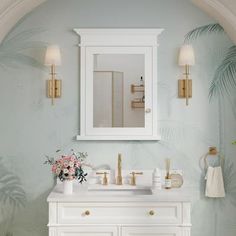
[156,179]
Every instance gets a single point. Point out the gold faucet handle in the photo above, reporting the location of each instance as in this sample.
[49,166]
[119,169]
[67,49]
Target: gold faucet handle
[136,173]
[105,180]
[133,177]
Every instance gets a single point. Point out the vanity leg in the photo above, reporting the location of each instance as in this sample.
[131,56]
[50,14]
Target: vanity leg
[52,231]
[186,231]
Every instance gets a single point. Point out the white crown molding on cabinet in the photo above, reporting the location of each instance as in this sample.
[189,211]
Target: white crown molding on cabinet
[11,11]
[223,11]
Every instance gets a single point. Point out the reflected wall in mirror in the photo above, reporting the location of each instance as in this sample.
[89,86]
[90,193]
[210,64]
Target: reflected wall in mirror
[118,90]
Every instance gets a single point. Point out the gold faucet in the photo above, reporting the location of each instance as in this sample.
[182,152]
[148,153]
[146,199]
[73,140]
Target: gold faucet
[104,179]
[119,176]
[133,177]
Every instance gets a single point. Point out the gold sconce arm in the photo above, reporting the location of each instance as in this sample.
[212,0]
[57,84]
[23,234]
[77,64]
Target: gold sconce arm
[187,84]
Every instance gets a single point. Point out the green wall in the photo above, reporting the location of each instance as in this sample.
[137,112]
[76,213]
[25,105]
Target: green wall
[31,128]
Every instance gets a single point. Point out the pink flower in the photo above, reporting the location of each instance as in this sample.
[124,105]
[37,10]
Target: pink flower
[54,168]
[66,158]
[66,164]
[71,164]
[59,165]
[77,164]
[58,171]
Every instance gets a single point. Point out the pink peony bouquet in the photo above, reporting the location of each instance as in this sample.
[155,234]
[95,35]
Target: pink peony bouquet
[68,167]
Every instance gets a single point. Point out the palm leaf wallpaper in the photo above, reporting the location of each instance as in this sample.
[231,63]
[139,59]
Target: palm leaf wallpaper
[12,198]
[203,31]
[13,50]
[14,54]
[30,127]
[224,80]
[223,85]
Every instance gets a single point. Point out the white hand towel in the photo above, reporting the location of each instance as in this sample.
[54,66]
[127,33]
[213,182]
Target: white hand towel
[214,182]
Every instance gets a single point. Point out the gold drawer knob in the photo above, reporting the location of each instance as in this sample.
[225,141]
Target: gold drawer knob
[87,213]
[151,213]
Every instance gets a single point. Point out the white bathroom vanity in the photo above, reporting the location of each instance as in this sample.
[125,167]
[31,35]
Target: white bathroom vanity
[119,212]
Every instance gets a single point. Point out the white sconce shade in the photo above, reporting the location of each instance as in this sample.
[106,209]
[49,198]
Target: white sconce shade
[53,56]
[186,55]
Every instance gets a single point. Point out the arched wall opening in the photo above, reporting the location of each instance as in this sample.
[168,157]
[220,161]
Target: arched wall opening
[222,11]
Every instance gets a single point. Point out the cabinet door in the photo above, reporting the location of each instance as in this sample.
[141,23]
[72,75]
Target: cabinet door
[102,91]
[151,231]
[87,231]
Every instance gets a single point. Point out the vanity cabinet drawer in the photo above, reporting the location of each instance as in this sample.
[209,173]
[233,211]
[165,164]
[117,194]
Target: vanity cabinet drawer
[120,213]
[88,231]
[151,231]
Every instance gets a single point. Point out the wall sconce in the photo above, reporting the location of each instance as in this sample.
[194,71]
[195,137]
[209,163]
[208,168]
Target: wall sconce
[53,59]
[186,59]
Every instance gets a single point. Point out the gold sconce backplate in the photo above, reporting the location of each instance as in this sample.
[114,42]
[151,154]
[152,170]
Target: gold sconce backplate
[56,88]
[182,86]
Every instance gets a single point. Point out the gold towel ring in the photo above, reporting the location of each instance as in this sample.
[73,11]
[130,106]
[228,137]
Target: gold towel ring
[212,151]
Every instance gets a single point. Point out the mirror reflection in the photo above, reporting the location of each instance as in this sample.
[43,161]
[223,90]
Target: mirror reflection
[118,90]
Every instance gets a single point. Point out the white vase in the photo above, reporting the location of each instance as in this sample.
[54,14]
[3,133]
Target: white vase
[67,187]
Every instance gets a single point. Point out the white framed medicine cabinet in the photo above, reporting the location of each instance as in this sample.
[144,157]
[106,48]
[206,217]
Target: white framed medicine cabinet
[118,84]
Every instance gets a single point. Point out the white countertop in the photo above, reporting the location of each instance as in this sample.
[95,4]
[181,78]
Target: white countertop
[82,194]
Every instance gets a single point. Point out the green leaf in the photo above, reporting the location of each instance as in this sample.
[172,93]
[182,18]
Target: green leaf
[12,48]
[12,60]
[9,234]
[203,30]
[12,194]
[22,46]
[224,80]
[22,36]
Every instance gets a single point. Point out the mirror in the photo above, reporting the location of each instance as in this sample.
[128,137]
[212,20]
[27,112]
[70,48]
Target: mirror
[118,84]
[118,90]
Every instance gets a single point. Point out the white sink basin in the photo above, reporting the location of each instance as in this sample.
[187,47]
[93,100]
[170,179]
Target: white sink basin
[119,190]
